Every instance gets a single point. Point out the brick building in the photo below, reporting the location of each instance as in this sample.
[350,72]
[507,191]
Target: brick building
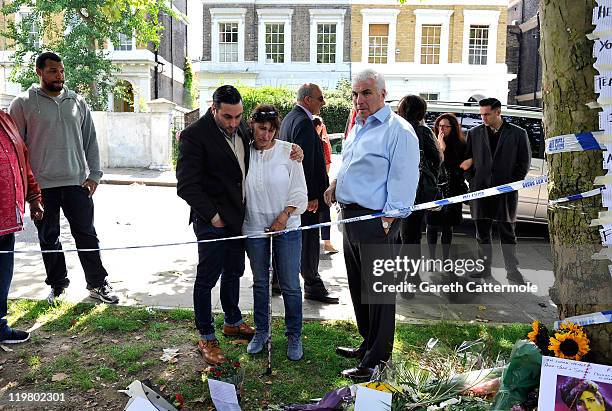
[523,53]
[449,50]
[273,42]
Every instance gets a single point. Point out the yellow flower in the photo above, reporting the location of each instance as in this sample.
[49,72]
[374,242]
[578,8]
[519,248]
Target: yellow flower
[569,345]
[571,327]
[380,386]
[533,334]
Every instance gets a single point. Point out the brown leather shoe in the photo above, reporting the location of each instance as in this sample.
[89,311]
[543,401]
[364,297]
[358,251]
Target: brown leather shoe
[211,352]
[241,331]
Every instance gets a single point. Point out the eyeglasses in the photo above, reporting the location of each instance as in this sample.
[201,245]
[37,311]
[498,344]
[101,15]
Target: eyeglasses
[265,115]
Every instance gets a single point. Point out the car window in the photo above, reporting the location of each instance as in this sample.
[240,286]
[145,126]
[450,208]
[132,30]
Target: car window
[533,126]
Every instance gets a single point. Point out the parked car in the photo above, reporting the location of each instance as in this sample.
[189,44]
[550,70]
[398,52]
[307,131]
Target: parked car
[533,202]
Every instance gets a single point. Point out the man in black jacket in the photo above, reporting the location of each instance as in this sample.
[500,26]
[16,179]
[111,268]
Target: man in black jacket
[498,153]
[297,127]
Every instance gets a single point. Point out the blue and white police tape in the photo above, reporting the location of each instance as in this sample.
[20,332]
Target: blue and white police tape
[574,197]
[488,192]
[576,142]
[601,317]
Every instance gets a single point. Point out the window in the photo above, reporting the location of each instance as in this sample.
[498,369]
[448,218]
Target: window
[430,44]
[430,96]
[228,42]
[31,26]
[326,43]
[378,43]
[125,42]
[275,42]
[479,43]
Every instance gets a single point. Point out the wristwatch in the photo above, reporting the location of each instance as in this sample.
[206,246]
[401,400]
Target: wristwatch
[386,225]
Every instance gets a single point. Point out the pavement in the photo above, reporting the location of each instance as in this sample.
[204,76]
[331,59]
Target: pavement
[140,207]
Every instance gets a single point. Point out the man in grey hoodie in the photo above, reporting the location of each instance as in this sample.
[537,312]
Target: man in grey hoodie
[58,130]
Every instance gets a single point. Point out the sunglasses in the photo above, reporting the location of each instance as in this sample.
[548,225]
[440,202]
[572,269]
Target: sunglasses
[265,115]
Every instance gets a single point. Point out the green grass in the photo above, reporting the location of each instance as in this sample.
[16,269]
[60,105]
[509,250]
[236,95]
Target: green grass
[115,345]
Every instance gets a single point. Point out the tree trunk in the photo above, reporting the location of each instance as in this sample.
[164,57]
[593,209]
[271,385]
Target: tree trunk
[582,285]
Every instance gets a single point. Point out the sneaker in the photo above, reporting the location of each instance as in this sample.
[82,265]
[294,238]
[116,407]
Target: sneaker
[16,337]
[104,293]
[257,343]
[54,295]
[295,352]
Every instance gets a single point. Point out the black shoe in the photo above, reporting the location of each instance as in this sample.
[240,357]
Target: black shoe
[348,352]
[324,298]
[358,373]
[516,277]
[16,337]
[103,293]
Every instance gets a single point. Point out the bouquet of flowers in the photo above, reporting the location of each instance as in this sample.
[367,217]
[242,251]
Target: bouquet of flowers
[230,372]
[568,342]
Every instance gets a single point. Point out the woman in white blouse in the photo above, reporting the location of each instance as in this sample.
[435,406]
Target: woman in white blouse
[276,195]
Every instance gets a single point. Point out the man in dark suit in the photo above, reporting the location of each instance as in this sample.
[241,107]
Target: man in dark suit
[498,153]
[212,164]
[297,127]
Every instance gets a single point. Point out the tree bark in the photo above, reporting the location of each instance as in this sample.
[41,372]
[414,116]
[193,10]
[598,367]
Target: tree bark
[582,285]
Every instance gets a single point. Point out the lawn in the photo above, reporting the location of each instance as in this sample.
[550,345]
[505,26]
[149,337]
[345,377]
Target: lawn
[88,352]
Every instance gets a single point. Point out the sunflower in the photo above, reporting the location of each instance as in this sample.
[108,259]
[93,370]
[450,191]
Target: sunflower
[571,327]
[535,326]
[569,345]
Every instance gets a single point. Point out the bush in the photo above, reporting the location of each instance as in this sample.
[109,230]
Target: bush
[335,112]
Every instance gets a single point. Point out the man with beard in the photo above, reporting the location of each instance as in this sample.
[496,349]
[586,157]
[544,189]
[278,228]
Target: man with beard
[59,133]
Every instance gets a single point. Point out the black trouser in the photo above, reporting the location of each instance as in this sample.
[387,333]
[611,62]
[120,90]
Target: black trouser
[507,238]
[325,217]
[411,231]
[375,322]
[310,256]
[446,239]
[78,209]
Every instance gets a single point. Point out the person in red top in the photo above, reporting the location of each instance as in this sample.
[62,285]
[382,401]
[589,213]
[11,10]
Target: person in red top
[325,215]
[17,185]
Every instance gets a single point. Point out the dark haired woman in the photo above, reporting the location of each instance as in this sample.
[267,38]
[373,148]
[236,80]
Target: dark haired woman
[413,109]
[452,144]
[276,195]
[324,215]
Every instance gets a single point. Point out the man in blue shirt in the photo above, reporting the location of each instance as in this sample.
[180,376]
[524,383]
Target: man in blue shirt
[379,172]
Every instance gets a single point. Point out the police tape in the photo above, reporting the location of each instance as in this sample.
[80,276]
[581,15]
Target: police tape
[577,142]
[574,197]
[601,317]
[487,192]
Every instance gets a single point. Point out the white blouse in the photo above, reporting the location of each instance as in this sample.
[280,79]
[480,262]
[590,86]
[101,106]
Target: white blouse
[273,182]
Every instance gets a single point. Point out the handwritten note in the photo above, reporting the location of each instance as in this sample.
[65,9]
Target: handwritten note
[606,234]
[602,51]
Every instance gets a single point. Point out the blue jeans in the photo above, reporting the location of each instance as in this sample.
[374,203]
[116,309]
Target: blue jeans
[7,243]
[287,251]
[223,259]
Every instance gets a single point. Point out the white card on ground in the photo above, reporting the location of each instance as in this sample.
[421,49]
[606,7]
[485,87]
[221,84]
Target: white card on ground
[557,373]
[141,404]
[223,395]
[368,399]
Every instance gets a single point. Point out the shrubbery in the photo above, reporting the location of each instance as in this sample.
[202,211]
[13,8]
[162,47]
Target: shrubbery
[335,112]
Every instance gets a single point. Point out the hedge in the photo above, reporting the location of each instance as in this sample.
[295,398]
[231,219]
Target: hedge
[334,113]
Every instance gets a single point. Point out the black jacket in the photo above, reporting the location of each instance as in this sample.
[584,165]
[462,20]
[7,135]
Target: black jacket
[509,163]
[208,175]
[298,128]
